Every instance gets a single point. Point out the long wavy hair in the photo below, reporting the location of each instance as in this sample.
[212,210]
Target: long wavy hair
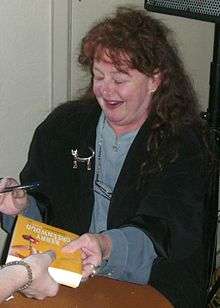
[146,44]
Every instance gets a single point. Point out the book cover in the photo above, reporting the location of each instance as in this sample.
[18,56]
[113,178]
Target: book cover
[31,236]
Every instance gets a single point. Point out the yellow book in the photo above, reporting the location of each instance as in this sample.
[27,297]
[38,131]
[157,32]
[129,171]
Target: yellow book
[31,236]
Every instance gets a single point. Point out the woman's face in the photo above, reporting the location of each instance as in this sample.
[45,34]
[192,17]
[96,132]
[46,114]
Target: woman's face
[123,96]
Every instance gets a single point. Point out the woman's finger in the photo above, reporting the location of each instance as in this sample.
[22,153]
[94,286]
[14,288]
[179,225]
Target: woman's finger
[18,193]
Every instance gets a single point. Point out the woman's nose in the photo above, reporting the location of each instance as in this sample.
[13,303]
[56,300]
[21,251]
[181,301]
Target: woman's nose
[108,88]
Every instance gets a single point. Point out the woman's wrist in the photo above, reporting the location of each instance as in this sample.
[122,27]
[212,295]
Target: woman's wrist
[24,205]
[105,245]
[25,273]
[12,278]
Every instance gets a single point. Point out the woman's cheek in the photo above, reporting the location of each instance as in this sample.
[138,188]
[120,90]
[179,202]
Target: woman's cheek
[97,90]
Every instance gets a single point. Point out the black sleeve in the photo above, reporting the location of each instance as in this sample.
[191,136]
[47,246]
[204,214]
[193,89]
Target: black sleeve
[173,214]
[38,167]
[35,170]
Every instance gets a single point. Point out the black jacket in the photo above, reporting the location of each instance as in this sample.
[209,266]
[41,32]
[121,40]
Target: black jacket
[169,208]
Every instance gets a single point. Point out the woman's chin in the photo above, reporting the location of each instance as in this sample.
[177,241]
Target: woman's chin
[113,120]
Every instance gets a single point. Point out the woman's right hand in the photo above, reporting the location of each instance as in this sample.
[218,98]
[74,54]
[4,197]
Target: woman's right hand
[14,202]
[43,284]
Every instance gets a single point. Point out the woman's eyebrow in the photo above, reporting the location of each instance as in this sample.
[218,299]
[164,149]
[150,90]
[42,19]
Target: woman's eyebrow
[121,73]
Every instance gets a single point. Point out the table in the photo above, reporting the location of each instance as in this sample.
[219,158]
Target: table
[97,292]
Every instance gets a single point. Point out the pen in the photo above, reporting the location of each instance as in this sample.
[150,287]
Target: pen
[29,186]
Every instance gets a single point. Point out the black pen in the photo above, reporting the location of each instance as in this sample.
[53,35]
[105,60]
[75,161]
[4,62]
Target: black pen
[29,186]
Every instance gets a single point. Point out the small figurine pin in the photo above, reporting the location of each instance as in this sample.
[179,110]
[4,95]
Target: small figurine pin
[77,159]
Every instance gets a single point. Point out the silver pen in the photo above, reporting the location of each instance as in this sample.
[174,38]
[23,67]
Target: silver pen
[26,187]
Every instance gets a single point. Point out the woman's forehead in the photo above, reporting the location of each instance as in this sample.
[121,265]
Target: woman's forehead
[119,59]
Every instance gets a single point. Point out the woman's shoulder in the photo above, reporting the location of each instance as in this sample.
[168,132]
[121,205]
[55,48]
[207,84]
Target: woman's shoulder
[191,138]
[73,109]
[69,114]
[193,144]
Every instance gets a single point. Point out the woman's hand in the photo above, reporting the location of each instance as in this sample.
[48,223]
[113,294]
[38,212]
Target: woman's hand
[14,202]
[94,248]
[43,285]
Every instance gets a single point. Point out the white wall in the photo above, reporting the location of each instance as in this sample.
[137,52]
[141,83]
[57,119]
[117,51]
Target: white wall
[33,64]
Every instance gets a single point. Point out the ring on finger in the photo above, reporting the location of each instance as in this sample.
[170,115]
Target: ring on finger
[94,270]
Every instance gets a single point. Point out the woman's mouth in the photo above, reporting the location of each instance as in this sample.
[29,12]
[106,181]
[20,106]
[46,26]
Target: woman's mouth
[113,104]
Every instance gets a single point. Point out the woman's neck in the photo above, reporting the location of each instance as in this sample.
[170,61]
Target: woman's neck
[125,129]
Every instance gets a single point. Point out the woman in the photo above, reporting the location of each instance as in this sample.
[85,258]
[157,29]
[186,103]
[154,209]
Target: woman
[126,167]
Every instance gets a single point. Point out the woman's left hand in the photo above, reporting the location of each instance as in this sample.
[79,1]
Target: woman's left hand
[94,248]
[43,284]
[12,203]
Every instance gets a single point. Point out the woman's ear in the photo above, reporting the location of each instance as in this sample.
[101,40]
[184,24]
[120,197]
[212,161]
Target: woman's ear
[155,81]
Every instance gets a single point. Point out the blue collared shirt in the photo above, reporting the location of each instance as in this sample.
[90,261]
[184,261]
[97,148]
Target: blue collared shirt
[132,252]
